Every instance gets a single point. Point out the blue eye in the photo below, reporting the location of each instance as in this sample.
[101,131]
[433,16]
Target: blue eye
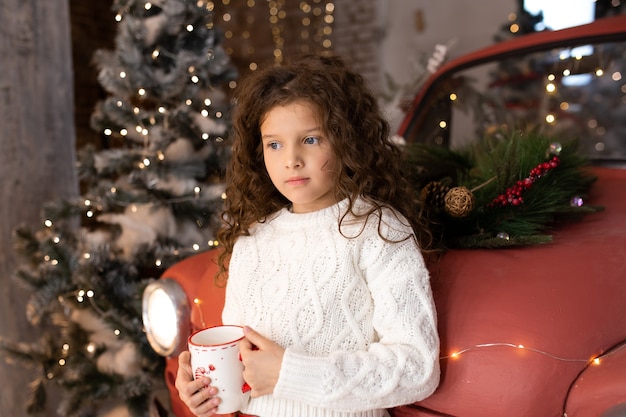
[311,140]
[273,145]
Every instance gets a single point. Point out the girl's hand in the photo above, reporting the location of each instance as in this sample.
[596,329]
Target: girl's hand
[262,359]
[197,395]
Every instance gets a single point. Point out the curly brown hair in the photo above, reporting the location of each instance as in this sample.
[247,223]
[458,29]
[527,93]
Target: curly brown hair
[369,162]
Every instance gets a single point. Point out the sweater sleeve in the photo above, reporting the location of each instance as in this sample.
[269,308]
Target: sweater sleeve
[401,366]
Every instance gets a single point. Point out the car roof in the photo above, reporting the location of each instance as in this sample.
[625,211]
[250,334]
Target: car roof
[602,30]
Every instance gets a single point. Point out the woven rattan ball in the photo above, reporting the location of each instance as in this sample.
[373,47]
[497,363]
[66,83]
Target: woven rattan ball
[459,202]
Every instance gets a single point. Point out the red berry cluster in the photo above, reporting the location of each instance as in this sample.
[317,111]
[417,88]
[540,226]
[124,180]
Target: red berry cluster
[513,195]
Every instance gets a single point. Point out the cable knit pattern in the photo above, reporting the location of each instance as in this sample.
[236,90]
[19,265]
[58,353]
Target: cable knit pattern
[355,315]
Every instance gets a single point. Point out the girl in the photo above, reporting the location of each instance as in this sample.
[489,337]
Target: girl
[321,240]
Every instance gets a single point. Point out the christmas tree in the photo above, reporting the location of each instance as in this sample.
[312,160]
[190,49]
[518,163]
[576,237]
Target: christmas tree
[150,197]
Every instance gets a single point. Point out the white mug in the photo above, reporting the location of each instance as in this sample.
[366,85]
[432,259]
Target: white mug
[215,354]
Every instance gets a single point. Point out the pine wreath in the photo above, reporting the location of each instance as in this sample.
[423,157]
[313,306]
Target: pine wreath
[501,191]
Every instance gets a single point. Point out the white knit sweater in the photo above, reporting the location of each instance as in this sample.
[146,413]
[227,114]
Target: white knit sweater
[355,315]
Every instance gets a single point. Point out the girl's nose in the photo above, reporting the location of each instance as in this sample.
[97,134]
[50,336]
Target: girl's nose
[293,159]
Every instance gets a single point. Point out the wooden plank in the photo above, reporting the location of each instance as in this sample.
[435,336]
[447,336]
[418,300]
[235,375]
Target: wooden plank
[37,152]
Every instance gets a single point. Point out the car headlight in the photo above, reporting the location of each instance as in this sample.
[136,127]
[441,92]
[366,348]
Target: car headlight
[166,316]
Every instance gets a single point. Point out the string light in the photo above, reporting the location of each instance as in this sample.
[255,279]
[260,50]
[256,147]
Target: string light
[197,302]
[596,360]
[315,20]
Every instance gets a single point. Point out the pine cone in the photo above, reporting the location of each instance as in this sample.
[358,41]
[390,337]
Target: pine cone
[433,194]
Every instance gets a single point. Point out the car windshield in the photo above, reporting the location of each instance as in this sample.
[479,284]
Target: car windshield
[577,93]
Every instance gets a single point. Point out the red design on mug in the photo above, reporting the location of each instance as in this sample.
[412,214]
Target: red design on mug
[200,372]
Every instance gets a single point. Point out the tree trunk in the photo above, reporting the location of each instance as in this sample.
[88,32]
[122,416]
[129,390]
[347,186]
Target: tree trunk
[37,153]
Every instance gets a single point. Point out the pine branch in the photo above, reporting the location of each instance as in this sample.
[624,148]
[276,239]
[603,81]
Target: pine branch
[489,168]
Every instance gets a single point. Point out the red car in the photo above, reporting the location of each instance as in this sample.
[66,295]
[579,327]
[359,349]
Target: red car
[529,331]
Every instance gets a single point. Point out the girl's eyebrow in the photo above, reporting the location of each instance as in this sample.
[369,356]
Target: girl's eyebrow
[316,130]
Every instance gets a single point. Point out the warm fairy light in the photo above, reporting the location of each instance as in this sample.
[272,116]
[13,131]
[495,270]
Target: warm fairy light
[550,87]
[599,72]
[458,353]
[89,213]
[550,118]
[123,132]
[136,110]
[188,102]
[62,362]
[122,74]
[514,28]
[195,79]
[161,109]
[207,102]
[148,6]
[108,132]
[195,247]
[566,72]
[86,255]
[47,223]
[117,332]
[189,28]
[596,361]
[118,17]
[551,77]
[141,91]
[197,301]
[443,124]
[204,113]
[158,262]
[146,162]
[453,97]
